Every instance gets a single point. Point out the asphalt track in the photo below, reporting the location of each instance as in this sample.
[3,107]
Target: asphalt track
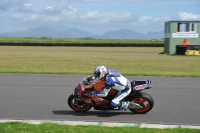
[36,97]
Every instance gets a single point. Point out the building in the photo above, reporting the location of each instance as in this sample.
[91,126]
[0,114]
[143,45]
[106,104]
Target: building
[177,31]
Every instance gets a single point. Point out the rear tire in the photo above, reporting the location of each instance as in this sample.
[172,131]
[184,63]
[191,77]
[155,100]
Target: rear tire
[77,105]
[145,100]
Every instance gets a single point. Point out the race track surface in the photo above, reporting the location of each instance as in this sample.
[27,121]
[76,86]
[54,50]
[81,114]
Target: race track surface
[177,100]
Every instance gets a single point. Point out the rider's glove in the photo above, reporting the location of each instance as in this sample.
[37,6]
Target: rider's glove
[92,94]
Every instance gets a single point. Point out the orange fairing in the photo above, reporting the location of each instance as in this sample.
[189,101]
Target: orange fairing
[85,87]
[101,103]
[98,86]
[88,99]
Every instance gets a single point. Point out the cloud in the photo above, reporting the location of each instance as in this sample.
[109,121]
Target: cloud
[91,14]
[143,19]
[69,11]
[189,16]
[26,17]
[24,11]
[102,18]
[139,1]
[28,4]
[6,5]
[85,14]
[49,8]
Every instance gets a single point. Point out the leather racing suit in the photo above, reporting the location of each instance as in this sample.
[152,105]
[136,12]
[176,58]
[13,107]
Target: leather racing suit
[116,81]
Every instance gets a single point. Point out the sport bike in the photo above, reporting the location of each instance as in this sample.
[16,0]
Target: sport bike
[80,101]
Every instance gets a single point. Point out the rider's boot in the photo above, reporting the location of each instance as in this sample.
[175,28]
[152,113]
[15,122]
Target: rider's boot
[124,105]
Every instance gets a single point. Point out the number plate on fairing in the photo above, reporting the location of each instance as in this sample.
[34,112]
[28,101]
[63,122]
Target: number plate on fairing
[141,87]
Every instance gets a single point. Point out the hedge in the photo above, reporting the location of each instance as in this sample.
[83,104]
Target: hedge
[85,44]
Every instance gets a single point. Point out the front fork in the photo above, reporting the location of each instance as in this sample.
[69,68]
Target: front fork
[79,101]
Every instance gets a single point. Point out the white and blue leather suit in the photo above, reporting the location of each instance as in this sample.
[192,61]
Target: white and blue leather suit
[116,81]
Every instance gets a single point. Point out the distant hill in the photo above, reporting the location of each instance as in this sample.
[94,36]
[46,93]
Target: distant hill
[156,35]
[69,32]
[123,34]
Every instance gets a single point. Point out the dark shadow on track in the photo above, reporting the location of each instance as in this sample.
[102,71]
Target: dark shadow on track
[91,113]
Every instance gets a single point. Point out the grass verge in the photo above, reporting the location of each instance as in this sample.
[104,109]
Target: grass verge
[16,127]
[130,61]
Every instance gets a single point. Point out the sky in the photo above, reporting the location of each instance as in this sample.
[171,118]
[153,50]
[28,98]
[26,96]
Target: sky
[96,16]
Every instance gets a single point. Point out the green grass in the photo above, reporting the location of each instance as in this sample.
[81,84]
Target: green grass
[130,61]
[14,127]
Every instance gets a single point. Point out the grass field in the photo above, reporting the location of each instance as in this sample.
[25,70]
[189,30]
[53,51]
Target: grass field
[54,128]
[143,61]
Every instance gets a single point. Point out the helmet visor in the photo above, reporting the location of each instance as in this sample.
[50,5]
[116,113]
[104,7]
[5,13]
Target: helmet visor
[96,74]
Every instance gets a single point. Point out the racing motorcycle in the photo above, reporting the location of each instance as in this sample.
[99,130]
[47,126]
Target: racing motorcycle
[80,101]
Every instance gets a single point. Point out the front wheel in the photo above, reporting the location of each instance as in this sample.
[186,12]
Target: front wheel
[144,100]
[77,105]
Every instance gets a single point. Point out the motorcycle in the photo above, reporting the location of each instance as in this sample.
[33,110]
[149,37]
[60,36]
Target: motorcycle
[80,101]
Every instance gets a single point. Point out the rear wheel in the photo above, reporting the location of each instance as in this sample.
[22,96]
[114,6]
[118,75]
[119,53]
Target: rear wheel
[77,105]
[144,100]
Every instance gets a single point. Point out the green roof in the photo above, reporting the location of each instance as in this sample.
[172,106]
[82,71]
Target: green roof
[184,21]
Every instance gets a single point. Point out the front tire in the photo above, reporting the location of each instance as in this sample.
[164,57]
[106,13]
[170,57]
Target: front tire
[77,105]
[145,100]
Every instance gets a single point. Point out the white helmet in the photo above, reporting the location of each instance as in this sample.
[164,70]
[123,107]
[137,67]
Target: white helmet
[100,72]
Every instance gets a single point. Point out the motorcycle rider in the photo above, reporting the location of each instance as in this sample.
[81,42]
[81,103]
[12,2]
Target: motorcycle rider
[114,80]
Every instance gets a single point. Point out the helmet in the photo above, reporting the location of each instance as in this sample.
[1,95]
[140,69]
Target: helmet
[100,72]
